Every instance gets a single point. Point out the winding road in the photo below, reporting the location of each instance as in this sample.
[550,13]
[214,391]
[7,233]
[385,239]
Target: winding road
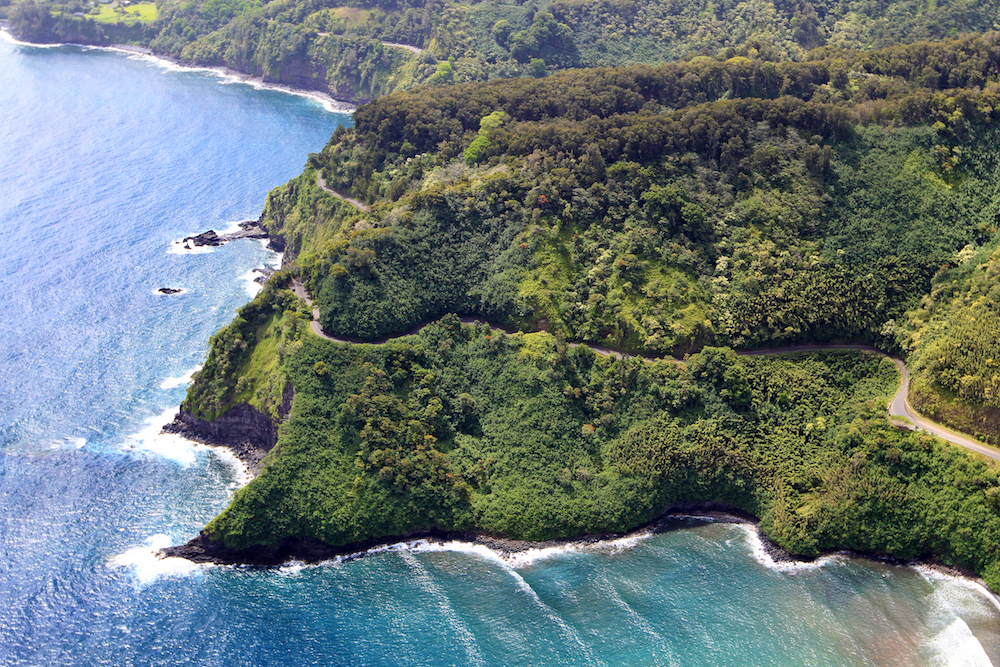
[412,49]
[899,406]
[353,202]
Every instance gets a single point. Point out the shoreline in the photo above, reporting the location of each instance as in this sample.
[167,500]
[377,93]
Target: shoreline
[515,553]
[328,102]
[308,551]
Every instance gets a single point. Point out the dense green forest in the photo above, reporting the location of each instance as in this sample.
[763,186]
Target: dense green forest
[684,209]
[954,338]
[659,209]
[345,47]
[725,175]
[465,427]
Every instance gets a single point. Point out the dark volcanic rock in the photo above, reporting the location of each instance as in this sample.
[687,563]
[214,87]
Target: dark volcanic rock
[209,238]
[248,229]
[265,274]
[169,290]
[248,432]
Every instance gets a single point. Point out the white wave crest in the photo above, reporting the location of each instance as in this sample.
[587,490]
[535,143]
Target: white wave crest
[230,77]
[182,248]
[149,565]
[151,440]
[6,35]
[934,576]
[274,258]
[250,282]
[761,555]
[956,646]
[180,380]
[514,559]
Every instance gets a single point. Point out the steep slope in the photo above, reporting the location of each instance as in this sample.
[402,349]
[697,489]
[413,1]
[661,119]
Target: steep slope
[657,209]
[954,339]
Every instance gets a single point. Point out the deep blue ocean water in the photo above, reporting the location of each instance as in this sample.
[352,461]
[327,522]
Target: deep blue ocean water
[105,161]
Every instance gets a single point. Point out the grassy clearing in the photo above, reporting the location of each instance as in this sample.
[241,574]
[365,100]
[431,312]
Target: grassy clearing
[144,12]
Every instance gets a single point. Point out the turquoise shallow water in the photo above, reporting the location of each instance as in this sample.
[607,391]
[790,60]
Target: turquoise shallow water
[105,160]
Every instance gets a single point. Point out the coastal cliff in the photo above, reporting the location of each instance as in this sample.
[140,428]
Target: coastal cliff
[248,432]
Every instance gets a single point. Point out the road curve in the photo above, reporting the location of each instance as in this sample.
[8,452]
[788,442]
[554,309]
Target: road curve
[900,404]
[898,407]
[353,202]
[412,49]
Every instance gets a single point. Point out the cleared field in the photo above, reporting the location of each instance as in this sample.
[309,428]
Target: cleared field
[144,12]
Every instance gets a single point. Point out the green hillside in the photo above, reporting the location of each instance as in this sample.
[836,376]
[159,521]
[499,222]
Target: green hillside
[344,48]
[683,209]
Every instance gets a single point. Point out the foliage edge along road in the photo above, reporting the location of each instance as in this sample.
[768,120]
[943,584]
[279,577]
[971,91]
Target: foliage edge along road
[899,406]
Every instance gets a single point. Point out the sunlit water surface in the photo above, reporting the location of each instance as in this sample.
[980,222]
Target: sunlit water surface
[105,161]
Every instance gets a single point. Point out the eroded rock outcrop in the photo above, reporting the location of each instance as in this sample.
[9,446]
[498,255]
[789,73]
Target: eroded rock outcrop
[247,431]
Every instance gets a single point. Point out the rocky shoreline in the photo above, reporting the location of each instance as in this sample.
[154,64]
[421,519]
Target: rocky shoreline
[309,550]
[248,229]
[678,516]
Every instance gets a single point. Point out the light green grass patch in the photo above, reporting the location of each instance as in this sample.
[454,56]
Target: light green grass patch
[144,12]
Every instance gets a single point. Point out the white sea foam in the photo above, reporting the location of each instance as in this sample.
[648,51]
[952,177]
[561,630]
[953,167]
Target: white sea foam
[5,34]
[180,380]
[935,576]
[956,646]
[761,555]
[230,77]
[151,440]
[515,559]
[250,282]
[505,562]
[182,248]
[148,565]
[274,258]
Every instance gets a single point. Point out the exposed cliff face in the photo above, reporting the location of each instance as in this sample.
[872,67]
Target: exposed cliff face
[248,432]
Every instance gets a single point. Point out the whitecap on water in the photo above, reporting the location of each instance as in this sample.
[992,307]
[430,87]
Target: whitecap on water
[761,555]
[250,282]
[152,440]
[513,559]
[229,77]
[5,34]
[180,380]
[148,564]
[182,248]
[956,646]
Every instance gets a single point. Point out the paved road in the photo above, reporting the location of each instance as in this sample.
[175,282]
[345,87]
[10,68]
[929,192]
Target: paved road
[900,404]
[412,49]
[353,202]
[898,407]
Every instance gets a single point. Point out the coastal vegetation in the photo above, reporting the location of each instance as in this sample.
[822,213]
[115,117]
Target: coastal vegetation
[347,47]
[468,428]
[681,211]
[954,336]
[658,209]
[769,185]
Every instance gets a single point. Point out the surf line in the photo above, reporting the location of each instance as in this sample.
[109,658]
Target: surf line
[227,75]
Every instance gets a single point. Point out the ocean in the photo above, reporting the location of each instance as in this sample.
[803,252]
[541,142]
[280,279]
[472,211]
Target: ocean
[106,161]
